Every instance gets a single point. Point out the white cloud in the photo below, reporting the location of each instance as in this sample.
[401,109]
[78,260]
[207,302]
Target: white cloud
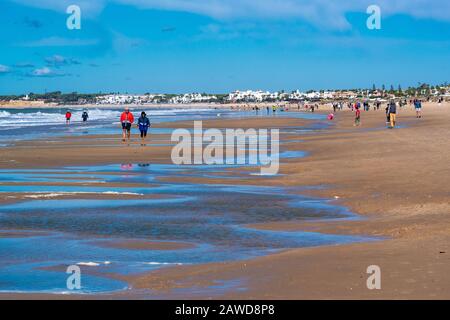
[324,13]
[4,69]
[42,72]
[58,61]
[46,72]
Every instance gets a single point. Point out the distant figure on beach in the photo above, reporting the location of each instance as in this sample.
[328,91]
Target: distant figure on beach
[366,106]
[68,116]
[418,107]
[126,119]
[84,116]
[357,116]
[392,113]
[274,109]
[330,116]
[143,125]
[312,108]
[388,119]
[378,104]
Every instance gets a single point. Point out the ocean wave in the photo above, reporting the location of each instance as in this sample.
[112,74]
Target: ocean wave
[39,118]
[20,118]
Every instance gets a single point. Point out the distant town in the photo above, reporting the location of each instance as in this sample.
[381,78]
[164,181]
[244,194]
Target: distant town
[249,96]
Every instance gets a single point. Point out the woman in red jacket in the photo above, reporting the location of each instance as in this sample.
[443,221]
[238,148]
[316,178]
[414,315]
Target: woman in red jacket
[127,120]
[68,116]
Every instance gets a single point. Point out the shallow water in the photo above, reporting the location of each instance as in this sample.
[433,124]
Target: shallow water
[211,217]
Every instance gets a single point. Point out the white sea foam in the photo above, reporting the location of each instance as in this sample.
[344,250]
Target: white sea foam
[27,119]
[93,264]
[39,195]
[123,193]
[48,195]
[163,263]
[88,264]
[9,119]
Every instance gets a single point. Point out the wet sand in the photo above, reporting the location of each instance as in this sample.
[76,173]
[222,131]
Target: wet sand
[397,180]
[20,234]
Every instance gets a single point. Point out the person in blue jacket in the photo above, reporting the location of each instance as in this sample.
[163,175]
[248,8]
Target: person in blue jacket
[143,124]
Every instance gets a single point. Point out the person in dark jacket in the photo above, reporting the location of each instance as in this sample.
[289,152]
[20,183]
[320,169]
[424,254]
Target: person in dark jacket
[143,124]
[392,113]
[84,116]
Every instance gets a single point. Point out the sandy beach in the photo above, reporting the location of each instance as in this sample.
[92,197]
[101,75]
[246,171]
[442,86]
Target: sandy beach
[225,158]
[395,180]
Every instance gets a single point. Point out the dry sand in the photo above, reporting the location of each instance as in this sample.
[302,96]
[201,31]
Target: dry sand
[398,180]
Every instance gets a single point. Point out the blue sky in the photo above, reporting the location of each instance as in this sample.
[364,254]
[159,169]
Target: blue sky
[140,46]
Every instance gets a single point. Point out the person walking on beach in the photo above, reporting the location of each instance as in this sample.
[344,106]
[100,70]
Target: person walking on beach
[68,116]
[84,116]
[143,125]
[357,117]
[126,119]
[418,107]
[388,119]
[392,113]
[366,106]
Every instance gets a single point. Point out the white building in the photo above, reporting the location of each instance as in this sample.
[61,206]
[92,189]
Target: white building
[192,98]
[129,99]
[250,95]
